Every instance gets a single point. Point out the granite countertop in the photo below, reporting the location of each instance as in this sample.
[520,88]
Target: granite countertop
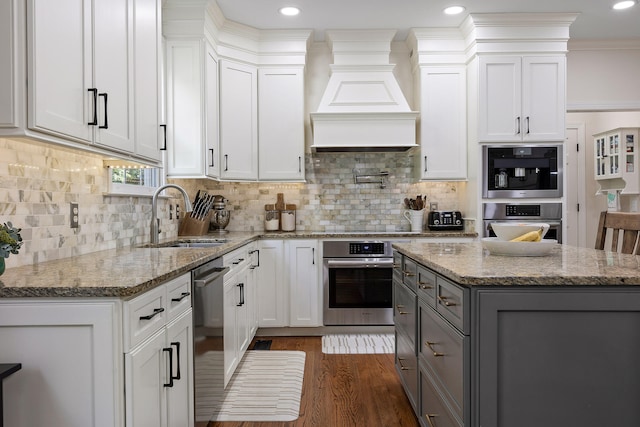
[125,273]
[468,264]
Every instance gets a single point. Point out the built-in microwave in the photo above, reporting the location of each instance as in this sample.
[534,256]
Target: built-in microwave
[522,171]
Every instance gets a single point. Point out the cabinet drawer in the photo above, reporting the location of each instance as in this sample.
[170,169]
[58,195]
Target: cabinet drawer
[426,285]
[405,310]
[407,367]
[236,259]
[449,302]
[144,315]
[441,347]
[397,266]
[409,268]
[434,411]
[178,296]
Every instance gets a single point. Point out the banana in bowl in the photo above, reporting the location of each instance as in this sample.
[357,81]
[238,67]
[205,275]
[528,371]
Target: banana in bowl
[512,230]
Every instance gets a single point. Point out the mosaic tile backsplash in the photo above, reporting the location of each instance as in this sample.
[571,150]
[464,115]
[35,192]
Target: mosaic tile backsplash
[39,181]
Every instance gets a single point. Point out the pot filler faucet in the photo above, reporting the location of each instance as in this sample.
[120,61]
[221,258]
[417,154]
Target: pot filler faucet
[155,221]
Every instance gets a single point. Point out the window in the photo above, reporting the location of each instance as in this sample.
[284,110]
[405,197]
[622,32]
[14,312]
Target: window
[133,179]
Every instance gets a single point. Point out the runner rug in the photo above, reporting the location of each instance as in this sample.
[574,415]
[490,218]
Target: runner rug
[358,344]
[266,386]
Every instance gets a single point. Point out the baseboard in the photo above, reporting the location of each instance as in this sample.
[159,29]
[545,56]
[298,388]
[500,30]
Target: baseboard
[324,330]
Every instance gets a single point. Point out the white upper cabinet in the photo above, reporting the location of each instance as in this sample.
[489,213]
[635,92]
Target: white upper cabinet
[281,124]
[443,123]
[238,121]
[192,110]
[522,98]
[92,71]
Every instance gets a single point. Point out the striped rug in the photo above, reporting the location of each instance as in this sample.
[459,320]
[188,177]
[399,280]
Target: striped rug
[358,344]
[266,386]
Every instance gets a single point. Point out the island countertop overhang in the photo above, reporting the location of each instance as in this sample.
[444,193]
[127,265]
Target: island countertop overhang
[469,265]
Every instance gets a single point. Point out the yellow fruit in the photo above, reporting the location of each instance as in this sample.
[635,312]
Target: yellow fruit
[531,236]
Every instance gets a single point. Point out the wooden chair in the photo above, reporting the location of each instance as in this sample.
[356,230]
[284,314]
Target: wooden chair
[626,222]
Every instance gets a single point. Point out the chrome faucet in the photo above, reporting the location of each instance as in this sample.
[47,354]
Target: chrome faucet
[155,221]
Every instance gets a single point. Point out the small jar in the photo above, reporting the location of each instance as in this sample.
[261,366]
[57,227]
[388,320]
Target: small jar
[271,220]
[288,220]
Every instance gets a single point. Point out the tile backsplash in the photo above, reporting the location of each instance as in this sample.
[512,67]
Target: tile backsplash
[38,182]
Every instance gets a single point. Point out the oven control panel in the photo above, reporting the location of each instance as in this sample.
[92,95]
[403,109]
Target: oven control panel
[522,210]
[367,248]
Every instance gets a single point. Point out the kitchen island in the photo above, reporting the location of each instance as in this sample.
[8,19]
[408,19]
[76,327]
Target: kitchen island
[485,340]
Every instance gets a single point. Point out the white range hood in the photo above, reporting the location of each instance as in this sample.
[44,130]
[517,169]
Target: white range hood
[363,108]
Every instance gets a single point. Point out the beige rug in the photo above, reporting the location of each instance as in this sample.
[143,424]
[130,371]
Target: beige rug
[358,344]
[266,386]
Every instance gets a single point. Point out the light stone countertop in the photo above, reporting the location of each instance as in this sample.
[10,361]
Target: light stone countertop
[127,272]
[468,264]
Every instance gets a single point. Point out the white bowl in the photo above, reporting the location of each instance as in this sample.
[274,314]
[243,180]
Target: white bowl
[496,246]
[510,230]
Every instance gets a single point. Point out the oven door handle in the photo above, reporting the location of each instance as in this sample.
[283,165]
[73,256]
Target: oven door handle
[385,263]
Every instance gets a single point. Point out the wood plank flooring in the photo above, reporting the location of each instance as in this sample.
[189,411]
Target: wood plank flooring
[343,390]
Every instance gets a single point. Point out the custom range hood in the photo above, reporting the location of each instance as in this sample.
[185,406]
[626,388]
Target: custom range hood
[362,108]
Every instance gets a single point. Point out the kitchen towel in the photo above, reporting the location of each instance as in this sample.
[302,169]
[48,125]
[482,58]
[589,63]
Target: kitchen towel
[267,386]
[358,344]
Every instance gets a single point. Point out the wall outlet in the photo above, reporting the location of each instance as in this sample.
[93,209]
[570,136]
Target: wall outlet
[433,206]
[73,215]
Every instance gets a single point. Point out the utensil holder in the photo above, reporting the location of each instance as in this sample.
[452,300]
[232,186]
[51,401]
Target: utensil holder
[194,227]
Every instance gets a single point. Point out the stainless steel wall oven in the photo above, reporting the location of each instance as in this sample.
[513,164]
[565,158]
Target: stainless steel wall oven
[550,213]
[522,171]
[357,283]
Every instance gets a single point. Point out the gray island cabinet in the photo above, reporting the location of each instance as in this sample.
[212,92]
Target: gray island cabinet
[501,341]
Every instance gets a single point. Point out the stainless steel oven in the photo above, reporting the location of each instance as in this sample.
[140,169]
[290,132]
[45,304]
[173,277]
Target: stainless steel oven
[550,213]
[357,282]
[522,171]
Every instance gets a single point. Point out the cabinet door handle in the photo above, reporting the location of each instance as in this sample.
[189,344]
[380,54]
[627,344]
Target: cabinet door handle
[177,345]
[425,163]
[226,162]
[430,345]
[170,351]
[518,125]
[313,256]
[106,118]
[182,296]
[399,308]
[164,132]
[445,301]
[253,252]
[156,311]
[428,418]
[241,286]
[212,164]
[95,106]
[402,367]
[299,164]
[527,119]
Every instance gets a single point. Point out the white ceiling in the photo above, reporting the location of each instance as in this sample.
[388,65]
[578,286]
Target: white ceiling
[597,20]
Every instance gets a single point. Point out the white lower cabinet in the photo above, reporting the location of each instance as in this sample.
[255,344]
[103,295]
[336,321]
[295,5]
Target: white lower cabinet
[159,370]
[272,292]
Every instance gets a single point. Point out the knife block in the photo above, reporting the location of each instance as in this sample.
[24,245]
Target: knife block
[194,227]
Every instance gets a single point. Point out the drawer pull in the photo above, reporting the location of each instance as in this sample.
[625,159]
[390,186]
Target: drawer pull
[423,285]
[402,367]
[446,302]
[430,345]
[396,265]
[399,308]
[156,311]
[408,273]
[428,418]
[182,296]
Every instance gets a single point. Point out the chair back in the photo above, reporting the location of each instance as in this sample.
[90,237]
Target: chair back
[625,223]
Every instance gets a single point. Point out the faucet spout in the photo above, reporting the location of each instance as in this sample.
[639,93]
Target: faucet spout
[155,226]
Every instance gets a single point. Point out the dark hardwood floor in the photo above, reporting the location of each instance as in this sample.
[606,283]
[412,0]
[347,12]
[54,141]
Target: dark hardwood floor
[343,390]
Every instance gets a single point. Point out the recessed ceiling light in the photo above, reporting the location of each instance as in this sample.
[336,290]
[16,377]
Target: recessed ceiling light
[624,4]
[289,11]
[454,10]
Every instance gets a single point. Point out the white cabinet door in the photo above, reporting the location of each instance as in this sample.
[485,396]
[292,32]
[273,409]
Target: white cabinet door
[147,372]
[443,126]
[212,115]
[253,275]
[304,284]
[522,98]
[147,48]
[543,98]
[180,394]
[9,81]
[281,124]
[238,121]
[231,300]
[60,68]
[500,99]
[273,296]
[243,327]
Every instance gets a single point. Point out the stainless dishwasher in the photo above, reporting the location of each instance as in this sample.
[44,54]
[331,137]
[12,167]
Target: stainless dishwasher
[208,325]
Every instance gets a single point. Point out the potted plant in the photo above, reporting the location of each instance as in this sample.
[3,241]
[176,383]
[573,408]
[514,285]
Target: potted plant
[10,242]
